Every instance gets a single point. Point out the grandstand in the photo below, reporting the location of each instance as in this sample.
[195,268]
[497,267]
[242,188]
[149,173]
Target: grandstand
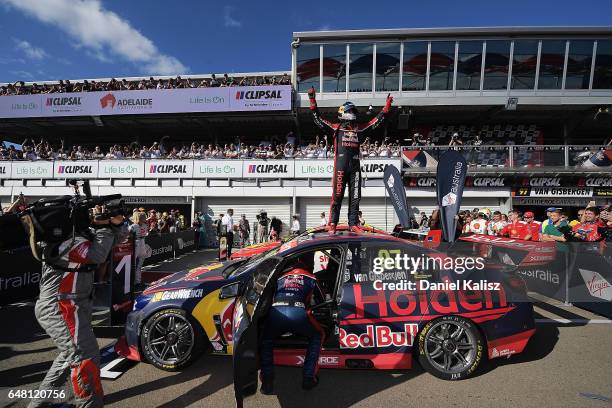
[538,98]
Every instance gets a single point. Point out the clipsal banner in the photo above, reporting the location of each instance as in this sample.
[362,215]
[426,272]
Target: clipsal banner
[268,169]
[168,169]
[151,101]
[75,169]
[370,168]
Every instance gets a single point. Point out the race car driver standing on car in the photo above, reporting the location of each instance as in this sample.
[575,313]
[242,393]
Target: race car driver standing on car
[296,291]
[64,311]
[347,135]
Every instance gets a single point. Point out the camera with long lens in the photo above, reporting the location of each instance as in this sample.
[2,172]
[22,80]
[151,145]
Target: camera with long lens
[57,219]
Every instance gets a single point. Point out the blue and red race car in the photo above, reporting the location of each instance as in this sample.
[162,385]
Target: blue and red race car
[372,320]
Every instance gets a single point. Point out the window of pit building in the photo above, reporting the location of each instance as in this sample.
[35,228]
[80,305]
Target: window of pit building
[415,66]
[469,65]
[361,64]
[524,62]
[441,65]
[496,64]
[308,67]
[602,77]
[334,68]
[552,59]
[387,67]
[579,60]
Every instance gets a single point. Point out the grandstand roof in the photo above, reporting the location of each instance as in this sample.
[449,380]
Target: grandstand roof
[396,33]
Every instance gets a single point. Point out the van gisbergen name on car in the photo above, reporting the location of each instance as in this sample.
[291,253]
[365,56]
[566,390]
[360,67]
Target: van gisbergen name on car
[168,169]
[178,294]
[268,168]
[379,336]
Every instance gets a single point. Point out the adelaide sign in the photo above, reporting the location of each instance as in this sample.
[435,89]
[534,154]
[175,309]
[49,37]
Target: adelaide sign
[151,101]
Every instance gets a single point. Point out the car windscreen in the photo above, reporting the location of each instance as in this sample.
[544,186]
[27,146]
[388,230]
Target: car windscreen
[251,263]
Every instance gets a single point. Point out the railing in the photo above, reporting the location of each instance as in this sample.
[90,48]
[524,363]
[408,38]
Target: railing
[515,156]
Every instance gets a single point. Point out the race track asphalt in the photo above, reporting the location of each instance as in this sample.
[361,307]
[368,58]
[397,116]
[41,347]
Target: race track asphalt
[568,363]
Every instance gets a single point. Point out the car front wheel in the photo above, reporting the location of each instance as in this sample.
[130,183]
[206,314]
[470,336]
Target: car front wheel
[450,348]
[171,340]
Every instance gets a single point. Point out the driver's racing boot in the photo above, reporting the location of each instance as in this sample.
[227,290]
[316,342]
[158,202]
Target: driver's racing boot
[309,383]
[331,229]
[356,229]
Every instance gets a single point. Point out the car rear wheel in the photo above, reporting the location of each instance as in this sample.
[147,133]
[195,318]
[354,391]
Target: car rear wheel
[171,339]
[450,348]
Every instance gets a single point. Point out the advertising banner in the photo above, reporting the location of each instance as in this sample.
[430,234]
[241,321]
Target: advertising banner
[119,169]
[268,169]
[32,170]
[217,169]
[184,241]
[452,169]
[75,169]
[370,168]
[168,169]
[122,281]
[395,189]
[5,170]
[20,275]
[152,101]
[162,248]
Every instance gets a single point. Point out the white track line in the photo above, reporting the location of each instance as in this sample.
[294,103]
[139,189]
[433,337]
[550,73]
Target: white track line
[579,321]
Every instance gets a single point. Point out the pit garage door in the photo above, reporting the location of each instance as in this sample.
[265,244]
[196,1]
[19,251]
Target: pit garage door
[278,207]
[374,212]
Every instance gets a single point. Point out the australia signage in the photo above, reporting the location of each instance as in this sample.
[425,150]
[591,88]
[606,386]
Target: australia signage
[225,99]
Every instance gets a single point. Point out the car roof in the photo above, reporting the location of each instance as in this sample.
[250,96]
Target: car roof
[342,237]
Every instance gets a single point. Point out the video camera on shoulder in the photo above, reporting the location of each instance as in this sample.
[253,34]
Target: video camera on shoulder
[57,219]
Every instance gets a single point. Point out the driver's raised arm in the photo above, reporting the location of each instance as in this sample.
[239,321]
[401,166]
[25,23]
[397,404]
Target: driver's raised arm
[322,123]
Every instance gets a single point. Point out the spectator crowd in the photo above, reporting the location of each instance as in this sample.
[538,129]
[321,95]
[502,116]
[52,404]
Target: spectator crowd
[319,149]
[589,224]
[64,86]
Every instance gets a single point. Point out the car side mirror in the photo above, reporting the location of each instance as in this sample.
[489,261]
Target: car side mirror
[230,291]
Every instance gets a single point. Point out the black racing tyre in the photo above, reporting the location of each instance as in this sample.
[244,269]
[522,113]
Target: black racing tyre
[171,339]
[451,348]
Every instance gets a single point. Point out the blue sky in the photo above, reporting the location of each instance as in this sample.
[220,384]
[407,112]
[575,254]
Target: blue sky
[53,39]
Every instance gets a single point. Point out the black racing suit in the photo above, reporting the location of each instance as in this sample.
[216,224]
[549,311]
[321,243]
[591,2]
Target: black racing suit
[347,136]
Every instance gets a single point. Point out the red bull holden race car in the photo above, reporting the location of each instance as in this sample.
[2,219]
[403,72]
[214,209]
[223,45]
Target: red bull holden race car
[379,319]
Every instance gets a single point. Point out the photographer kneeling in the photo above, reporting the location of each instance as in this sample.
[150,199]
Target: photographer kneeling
[64,306]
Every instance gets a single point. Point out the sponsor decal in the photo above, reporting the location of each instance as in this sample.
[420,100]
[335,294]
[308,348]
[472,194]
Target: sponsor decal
[379,336]
[114,170]
[449,199]
[168,168]
[75,169]
[177,294]
[596,284]
[184,244]
[110,101]
[422,182]
[64,101]
[25,279]
[259,94]
[267,168]
[503,352]
[323,360]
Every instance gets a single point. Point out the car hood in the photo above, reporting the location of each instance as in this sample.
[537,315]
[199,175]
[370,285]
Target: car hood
[210,274]
[255,249]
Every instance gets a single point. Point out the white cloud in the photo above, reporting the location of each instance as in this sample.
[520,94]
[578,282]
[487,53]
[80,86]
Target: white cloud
[29,50]
[228,20]
[325,27]
[101,32]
